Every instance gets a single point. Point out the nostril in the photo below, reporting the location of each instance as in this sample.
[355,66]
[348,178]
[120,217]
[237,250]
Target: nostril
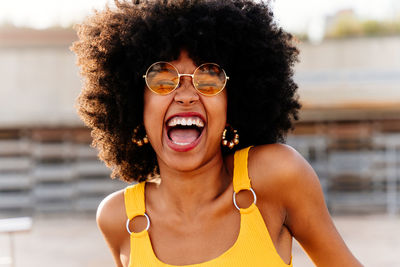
[186,98]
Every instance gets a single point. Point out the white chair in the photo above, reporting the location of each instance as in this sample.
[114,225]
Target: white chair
[11,226]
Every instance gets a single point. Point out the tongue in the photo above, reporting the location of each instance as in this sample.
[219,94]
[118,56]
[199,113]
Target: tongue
[183,135]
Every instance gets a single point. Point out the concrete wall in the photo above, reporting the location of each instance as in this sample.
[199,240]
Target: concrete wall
[39,86]
[39,78]
[350,79]
[381,53]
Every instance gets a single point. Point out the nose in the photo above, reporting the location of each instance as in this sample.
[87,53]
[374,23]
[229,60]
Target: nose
[186,93]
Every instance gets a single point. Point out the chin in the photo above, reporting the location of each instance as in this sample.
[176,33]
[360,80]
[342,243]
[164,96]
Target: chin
[185,164]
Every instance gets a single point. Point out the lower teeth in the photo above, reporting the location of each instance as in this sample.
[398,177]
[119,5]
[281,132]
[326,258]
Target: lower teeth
[181,144]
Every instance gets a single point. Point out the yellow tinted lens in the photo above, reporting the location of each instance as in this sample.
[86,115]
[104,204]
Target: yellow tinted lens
[162,78]
[209,79]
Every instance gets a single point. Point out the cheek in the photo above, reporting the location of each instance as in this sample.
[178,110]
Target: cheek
[217,110]
[153,114]
[222,104]
[223,110]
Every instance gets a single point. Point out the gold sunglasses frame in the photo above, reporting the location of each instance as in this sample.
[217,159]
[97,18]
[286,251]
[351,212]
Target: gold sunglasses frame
[185,74]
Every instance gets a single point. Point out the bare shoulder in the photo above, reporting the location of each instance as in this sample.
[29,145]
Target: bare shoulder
[111,218]
[280,154]
[110,210]
[276,168]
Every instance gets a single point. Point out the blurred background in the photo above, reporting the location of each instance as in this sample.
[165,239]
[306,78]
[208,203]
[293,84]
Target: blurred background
[349,128]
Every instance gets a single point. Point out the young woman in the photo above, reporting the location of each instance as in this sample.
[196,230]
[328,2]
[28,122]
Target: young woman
[192,100]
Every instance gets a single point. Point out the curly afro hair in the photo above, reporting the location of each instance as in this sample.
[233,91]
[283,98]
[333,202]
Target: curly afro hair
[117,45]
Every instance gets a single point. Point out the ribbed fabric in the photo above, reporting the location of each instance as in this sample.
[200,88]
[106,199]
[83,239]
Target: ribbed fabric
[241,179]
[134,200]
[253,246]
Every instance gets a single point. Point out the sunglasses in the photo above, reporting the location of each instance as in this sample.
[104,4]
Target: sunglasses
[208,79]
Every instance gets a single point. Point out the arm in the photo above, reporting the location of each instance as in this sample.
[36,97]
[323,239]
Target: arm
[308,217]
[110,219]
[294,184]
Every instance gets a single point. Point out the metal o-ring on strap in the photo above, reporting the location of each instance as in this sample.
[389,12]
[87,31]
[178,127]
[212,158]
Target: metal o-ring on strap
[148,223]
[234,198]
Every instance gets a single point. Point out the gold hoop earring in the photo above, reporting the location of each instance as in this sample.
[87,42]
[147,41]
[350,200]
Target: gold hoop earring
[234,137]
[136,139]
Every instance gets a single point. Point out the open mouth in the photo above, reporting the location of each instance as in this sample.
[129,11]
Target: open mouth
[184,131]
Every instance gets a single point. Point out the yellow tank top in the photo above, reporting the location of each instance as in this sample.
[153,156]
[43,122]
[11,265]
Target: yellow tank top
[253,246]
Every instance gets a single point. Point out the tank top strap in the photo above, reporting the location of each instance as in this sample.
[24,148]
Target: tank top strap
[241,180]
[134,200]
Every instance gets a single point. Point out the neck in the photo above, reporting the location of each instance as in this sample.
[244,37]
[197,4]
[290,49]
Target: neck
[186,193]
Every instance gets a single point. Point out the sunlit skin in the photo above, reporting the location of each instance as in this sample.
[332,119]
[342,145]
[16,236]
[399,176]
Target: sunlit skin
[192,215]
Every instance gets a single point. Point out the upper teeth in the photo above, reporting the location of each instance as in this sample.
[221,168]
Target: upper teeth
[186,121]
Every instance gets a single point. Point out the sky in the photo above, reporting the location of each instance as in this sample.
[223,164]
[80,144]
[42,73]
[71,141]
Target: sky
[297,15]
[292,15]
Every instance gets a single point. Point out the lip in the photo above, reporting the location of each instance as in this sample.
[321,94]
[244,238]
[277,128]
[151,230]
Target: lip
[188,147]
